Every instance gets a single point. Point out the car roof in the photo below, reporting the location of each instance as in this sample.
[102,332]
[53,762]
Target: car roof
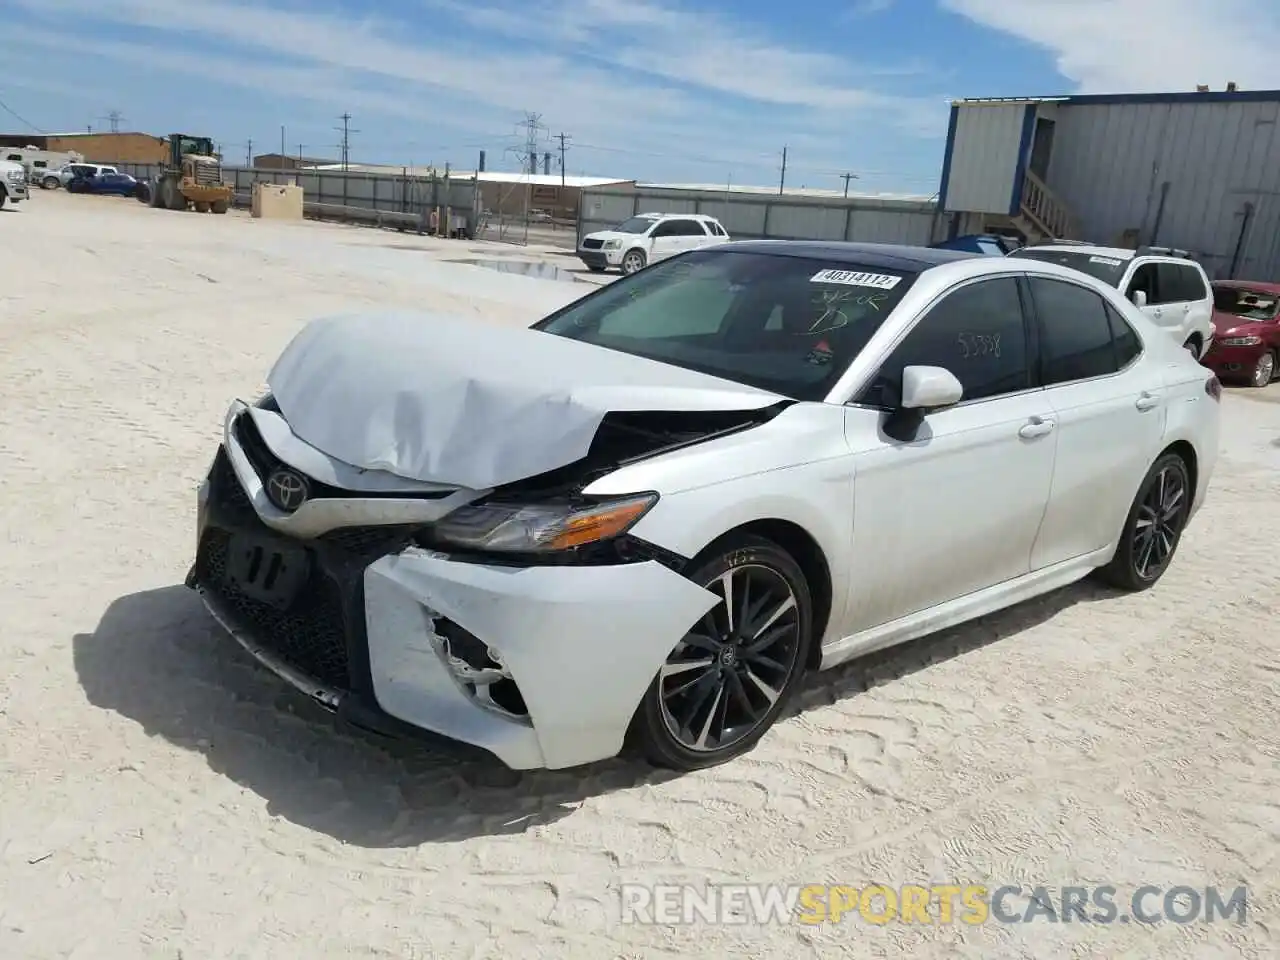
[1261,287]
[666,216]
[1115,253]
[885,256]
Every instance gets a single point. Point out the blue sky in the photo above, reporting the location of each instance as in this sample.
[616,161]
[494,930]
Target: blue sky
[660,90]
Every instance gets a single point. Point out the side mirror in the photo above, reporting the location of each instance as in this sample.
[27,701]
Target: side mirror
[1139,298]
[924,389]
[929,388]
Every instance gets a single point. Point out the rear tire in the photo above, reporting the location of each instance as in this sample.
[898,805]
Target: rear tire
[1193,346]
[1153,529]
[49,183]
[202,207]
[219,206]
[732,675]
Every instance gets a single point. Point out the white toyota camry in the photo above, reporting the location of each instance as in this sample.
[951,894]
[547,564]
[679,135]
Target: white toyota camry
[644,519]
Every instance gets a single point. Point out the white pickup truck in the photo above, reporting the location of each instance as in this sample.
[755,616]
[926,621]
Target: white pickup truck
[13,182]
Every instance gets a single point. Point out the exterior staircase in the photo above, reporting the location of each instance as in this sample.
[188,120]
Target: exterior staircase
[1042,215]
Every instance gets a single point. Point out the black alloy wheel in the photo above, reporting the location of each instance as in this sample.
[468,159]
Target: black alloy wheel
[731,676]
[1154,526]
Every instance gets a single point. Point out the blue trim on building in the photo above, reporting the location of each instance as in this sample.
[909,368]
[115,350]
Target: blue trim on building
[1100,99]
[1024,157]
[946,157]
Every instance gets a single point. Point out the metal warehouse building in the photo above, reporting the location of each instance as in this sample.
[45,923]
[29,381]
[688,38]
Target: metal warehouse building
[1197,171]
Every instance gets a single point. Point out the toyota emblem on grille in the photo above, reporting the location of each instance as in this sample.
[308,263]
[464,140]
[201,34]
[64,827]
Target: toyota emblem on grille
[287,489]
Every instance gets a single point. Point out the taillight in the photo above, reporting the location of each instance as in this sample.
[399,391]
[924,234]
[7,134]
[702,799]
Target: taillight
[1213,387]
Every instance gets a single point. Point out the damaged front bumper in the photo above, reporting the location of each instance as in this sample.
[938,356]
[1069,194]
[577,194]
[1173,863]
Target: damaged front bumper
[540,666]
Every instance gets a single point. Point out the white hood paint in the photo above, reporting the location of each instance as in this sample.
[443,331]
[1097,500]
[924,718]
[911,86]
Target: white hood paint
[468,402]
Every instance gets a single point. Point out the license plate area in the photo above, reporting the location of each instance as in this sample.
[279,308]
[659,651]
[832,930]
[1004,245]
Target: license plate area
[267,570]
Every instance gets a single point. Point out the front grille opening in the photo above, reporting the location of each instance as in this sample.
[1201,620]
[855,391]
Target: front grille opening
[309,635]
[479,670]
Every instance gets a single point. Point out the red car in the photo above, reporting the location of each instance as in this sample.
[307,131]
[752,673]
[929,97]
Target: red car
[1246,331]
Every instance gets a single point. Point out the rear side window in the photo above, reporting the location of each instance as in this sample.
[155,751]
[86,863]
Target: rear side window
[686,228]
[1124,337]
[1193,285]
[1075,335]
[1179,283]
[976,332]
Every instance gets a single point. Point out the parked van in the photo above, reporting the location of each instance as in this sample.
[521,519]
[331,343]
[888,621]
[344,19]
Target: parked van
[41,166]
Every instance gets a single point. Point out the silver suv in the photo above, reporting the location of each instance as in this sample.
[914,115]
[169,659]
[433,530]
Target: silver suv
[60,178]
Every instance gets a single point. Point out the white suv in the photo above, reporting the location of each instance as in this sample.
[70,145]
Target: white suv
[1165,284]
[647,238]
[13,182]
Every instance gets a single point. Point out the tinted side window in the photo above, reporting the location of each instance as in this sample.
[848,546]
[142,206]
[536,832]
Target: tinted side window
[687,228]
[1144,279]
[1075,336]
[1124,337]
[1192,286]
[665,229]
[1169,283]
[975,332]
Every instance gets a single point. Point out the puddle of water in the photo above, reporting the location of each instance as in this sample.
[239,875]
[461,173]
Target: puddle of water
[526,268]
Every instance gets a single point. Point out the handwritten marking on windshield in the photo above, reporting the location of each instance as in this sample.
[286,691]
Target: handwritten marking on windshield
[979,345]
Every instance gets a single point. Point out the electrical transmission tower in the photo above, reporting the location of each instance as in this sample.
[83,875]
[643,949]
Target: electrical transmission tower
[345,145]
[114,118]
[532,129]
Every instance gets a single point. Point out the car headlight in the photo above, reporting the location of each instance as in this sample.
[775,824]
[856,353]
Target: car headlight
[540,528]
[612,244]
[1240,341]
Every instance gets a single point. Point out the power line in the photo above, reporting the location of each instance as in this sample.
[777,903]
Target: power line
[17,116]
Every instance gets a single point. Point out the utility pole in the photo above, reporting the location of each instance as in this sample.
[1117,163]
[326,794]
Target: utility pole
[782,181]
[248,153]
[562,137]
[283,153]
[300,146]
[846,177]
[345,146]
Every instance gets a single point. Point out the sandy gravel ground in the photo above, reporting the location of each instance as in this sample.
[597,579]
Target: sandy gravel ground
[161,796]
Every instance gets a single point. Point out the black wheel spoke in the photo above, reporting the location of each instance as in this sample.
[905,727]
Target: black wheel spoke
[1158,523]
[725,676]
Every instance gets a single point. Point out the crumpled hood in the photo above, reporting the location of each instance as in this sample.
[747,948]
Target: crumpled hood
[469,402]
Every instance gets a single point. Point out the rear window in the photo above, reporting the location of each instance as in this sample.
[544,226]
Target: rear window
[790,325]
[1107,269]
[1246,304]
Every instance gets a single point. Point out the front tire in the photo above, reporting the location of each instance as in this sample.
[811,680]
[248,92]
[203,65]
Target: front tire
[1154,526]
[1193,346]
[49,183]
[1264,370]
[731,676]
[633,262]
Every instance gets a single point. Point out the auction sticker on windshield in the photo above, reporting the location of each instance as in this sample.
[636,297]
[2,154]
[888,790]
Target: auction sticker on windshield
[1107,260]
[853,278]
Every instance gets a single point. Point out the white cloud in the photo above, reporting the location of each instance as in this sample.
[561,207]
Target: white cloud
[640,76]
[1144,46]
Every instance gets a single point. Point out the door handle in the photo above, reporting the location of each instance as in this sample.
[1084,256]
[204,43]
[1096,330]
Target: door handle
[1146,401]
[1035,427]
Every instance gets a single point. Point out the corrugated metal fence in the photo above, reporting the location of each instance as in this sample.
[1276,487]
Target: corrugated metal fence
[750,216]
[358,195]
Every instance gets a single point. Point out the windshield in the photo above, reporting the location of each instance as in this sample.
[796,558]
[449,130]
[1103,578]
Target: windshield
[1247,304]
[789,325]
[1107,269]
[635,225]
